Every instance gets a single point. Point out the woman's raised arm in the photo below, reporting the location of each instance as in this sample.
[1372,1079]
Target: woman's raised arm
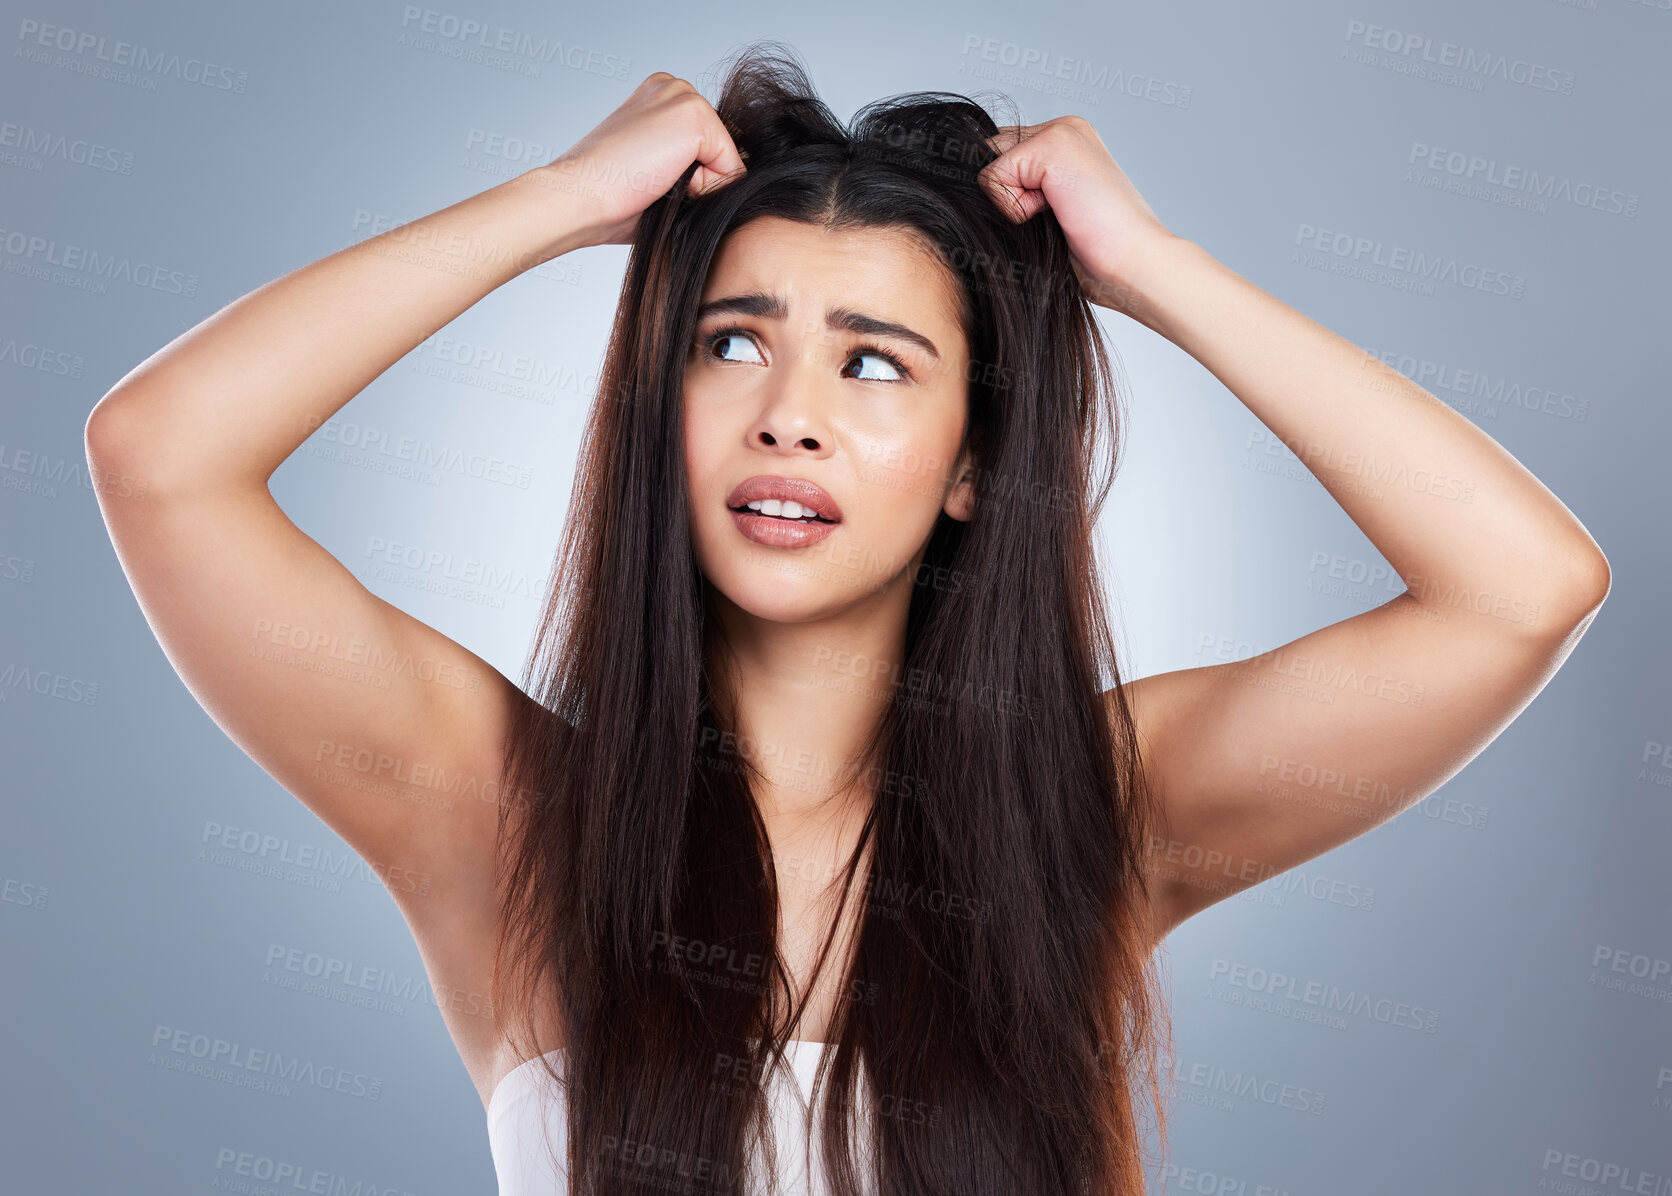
[338,695]
[1263,764]
[388,730]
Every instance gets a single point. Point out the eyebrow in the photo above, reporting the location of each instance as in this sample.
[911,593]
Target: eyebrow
[764,305]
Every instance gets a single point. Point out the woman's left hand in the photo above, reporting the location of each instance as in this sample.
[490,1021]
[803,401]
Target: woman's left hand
[1064,164]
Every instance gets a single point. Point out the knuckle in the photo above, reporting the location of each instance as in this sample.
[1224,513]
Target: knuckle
[694,107]
[667,85]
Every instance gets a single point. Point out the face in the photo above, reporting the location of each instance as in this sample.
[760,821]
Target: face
[830,358]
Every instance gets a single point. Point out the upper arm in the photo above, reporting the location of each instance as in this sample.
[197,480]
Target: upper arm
[385,728]
[1260,765]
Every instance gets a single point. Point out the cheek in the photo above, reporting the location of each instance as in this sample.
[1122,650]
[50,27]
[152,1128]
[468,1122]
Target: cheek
[700,437]
[908,472]
[706,479]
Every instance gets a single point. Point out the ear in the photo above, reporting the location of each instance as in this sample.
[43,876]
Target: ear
[960,499]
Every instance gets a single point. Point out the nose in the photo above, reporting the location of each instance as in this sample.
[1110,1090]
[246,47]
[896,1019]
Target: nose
[793,418]
[769,434]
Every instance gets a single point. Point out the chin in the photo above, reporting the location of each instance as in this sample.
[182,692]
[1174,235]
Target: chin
[782,592]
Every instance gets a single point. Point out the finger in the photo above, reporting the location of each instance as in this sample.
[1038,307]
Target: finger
[1007,136]
[1017,204]
[1019,168]
[720,161]
[1016,182]
[706,180]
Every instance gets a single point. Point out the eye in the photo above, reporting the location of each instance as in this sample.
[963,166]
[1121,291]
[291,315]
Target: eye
[722,336]
[901,373]
[728,334]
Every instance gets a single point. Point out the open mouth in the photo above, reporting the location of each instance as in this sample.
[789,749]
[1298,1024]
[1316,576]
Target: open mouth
[789,512]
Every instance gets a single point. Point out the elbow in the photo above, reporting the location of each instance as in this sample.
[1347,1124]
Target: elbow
[1593,577]
[1601,581]
[132,449]
[111,431]
[1601,578]
[151,442]
[124,449]
[1589,580]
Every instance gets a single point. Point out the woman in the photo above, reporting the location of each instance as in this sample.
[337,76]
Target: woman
[827,760]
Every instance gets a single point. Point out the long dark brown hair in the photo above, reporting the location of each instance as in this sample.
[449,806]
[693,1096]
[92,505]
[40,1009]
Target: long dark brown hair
[1001,1010]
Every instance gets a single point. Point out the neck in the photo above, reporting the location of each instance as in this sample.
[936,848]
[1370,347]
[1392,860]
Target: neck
[804,698]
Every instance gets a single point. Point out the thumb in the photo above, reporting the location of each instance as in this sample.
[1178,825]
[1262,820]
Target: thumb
[707,179]
[1015,181]
[1015,200]
[718,158]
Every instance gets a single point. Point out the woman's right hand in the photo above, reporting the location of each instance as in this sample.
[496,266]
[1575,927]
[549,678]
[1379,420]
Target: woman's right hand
[639,151]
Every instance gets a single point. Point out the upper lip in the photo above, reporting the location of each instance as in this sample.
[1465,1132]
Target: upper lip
[763,486]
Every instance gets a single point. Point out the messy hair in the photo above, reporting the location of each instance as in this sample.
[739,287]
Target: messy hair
[1000,1014]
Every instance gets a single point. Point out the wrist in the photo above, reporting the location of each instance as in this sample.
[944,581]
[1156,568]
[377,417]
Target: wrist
[1146,278]
[560,211]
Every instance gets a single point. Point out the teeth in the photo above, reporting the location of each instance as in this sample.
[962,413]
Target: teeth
[784,509]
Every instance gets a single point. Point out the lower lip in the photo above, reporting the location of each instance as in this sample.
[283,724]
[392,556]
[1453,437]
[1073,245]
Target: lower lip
[780,533]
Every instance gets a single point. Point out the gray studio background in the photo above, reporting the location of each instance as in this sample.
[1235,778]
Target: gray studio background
[1522,911]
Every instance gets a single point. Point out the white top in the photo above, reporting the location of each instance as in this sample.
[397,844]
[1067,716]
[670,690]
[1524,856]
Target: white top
[526,1108]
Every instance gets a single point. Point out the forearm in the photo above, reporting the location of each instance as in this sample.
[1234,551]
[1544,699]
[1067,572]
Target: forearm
[226,402]
[1449,508]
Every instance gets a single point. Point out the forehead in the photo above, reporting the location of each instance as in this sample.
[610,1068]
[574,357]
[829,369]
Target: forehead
[893,273]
